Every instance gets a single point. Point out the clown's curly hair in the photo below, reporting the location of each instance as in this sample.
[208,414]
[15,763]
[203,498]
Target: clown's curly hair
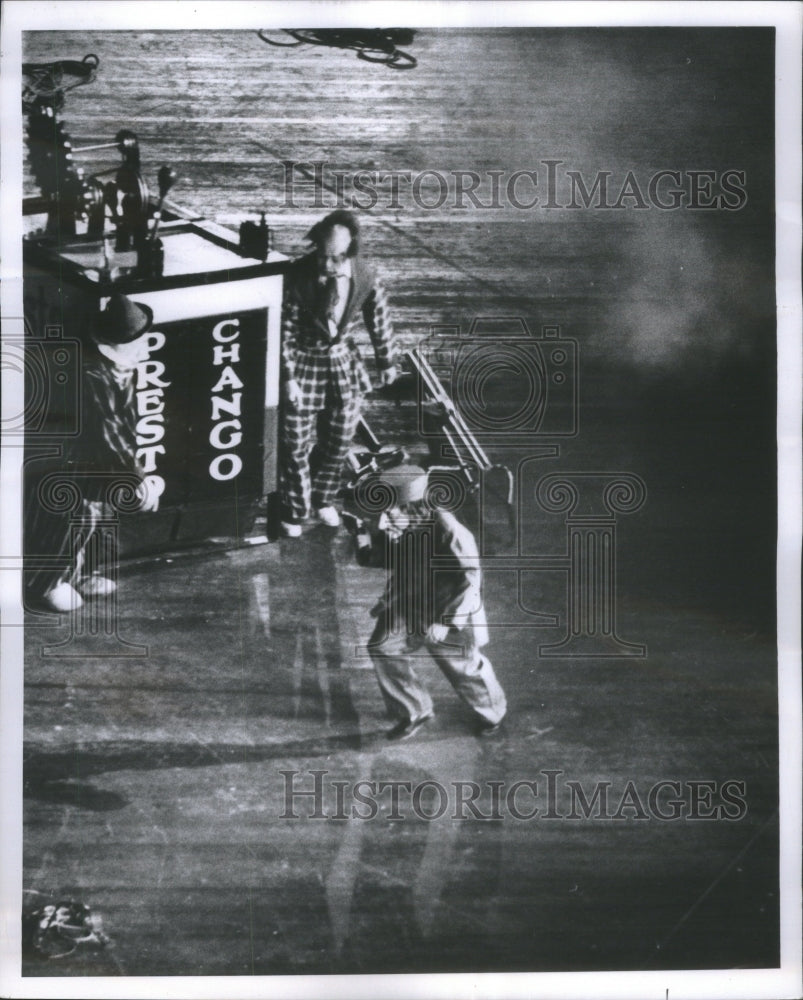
[340,217]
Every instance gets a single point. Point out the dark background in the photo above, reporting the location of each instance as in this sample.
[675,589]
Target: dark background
[673,312]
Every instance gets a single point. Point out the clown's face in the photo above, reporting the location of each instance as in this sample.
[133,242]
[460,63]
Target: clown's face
[126,356]
[333,253]
[394,522]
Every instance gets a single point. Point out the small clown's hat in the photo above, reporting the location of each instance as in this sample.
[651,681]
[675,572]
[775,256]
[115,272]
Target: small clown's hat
[408,483]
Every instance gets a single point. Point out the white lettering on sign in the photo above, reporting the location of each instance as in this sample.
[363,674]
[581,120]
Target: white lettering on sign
[225,467]
[230,406]
[231,440]
[150,429]
[221,337]
[149,401]
[147,457]
[148,373]
[228,380]
[226,434]
[150,409]
[223,353]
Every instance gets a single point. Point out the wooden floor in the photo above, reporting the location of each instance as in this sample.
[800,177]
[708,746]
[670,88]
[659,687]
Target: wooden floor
[154,788]
[226,110]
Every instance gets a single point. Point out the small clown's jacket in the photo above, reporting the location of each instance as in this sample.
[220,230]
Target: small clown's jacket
[433,576]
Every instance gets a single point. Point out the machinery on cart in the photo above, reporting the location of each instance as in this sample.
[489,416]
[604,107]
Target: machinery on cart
[208,395]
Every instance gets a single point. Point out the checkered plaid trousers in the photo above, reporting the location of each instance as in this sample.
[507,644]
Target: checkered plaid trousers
[330,380]
[60,547]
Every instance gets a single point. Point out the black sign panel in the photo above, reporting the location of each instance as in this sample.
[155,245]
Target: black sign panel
[200,408]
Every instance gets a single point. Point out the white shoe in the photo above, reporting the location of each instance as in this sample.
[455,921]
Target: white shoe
[328,516]
[290,530]
[96,586]
[62,597]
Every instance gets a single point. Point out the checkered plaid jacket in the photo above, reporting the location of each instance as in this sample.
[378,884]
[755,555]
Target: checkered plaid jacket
[106,446]
[309,354]
[108,439]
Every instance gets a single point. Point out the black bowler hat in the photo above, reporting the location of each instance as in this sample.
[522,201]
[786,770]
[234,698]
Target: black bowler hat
[122,320]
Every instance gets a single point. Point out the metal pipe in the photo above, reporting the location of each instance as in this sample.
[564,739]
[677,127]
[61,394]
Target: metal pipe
[101,145]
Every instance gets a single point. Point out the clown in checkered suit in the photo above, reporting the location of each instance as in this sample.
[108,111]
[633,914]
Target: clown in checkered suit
[323,376]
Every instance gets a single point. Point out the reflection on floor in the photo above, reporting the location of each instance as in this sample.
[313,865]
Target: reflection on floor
[229,805]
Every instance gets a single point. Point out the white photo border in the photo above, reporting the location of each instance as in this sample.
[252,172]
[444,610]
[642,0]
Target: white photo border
[787,18]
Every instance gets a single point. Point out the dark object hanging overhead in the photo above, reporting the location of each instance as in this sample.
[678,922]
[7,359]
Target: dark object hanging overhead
[48,82]
[371,44]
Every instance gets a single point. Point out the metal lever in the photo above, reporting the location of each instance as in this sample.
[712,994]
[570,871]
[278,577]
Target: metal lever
[167,177]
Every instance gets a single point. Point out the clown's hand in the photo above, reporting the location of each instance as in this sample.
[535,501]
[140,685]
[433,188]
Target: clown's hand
[293,393]
[150,489]
[437,632]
